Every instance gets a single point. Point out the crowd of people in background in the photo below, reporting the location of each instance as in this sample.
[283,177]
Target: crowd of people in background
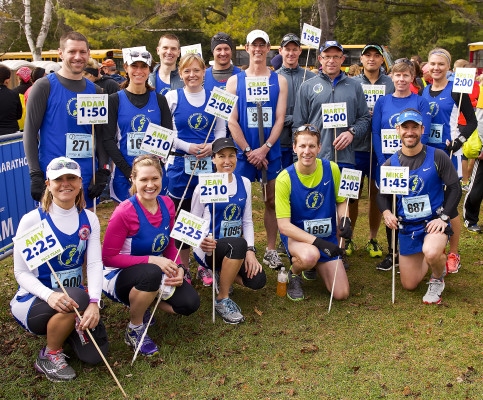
[281,142]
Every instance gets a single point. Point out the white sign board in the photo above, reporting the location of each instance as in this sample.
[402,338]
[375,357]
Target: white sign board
[157,140]
[394,180]
[190,229]
[350,183]
[214,188]
[372,93]
[194,48]
[464,78]
[257,89]
[92,109]
[38,245]
[390,141]
[311,36]
[334,115]
[221,103]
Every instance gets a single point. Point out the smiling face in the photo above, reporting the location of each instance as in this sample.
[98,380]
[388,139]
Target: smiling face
[168,51]
[222,56]
[258,51]
[225,160]
[148,183]
[75,56]
[138,72]
[331,61]
[371,60]
[65,189]
[306,148]
[410,133]
[192,75]
[402,80]
[290,54]
[438,67]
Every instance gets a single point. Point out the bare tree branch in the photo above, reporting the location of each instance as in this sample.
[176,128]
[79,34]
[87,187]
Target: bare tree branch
[213,9]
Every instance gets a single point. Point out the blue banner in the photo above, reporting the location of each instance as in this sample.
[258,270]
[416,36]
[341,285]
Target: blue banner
[15,198]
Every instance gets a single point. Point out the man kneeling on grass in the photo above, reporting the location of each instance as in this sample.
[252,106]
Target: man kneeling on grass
[307,207]
[423,215]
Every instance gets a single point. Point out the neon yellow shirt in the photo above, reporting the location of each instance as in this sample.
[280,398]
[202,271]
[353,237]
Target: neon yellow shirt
[283,187]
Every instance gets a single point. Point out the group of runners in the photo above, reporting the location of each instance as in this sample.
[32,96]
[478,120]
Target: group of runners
[298,160]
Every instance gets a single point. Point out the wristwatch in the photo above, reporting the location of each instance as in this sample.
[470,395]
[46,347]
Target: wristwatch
[247,149]
[444,218]
[352,130]
[252,248]
[269,145]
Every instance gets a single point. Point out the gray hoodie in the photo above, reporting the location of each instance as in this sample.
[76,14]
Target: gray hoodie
[175,81]
[308,110]
[364,143]
[295,77]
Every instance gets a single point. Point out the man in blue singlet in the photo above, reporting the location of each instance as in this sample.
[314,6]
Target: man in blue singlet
[52,118]
[165,76]
[254,154]
[422,216]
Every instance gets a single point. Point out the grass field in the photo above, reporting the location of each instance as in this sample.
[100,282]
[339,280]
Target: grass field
[366,348]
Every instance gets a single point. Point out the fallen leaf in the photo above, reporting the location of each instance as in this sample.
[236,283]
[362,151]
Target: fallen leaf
[450,385]
[310,349]
[407,391]
[291,392]
[459,379]
[221,381]
[128,375]
[355,369]
[478,262]
[263,365]
[258,311]
[373,308]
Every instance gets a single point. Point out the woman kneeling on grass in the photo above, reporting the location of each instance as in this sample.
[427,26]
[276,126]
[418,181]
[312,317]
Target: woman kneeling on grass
[231,219]
[39,305]
[138,255]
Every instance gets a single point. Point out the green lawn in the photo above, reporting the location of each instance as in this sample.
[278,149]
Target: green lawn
[366,348]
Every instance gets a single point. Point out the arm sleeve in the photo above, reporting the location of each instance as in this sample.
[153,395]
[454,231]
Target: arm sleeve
[109,132]
[171,250]
[248,231]
[283,187]
[468,113]
[36,106]
[384,201]
[118,230]
[220,128]
[19,108]
[449,176]
[425,111]
[376,131]
[197,207]
[94,258]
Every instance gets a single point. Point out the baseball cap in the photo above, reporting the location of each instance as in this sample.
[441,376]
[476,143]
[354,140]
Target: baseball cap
[372,46]
[257,33]
[135,55]
[331,43]
[410,115]
[108,63]
[221,38]
[290,37]
[62,166]
[222,143]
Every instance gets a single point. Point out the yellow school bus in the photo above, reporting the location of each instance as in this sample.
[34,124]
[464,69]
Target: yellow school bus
[476,56]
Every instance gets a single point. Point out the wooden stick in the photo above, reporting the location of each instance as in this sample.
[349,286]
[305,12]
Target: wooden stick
[370,173]
[337,265]
[93,163]
[87,330]
[335,137]
[214,280]
[306,63]
[393,252]
[192,172]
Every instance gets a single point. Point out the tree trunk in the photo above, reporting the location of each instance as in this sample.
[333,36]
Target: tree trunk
[36,48]
[328,17]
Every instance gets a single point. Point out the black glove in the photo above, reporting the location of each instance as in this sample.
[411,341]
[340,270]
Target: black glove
[345,229]
[102,177]
[329,248]
[456,144]
[37,185]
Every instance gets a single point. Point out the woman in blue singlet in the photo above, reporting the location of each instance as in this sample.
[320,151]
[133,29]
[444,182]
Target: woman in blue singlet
[130,112]
[40,306]
[194,127]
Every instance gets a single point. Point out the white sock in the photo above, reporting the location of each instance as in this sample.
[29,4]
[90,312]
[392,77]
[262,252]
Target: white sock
[132,326]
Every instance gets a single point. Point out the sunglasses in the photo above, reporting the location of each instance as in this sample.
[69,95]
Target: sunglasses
[64,164]
[221,37]
[143,54]
[306,127]
[290,38]
[403,60]
[146,157]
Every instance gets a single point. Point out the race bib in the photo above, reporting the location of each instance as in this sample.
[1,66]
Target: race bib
[204,165]
[78,145]
[69,278]
[252,117]
[230,228]
[390,141]
[436,133]
[134,142]
[416,207]
[319,227]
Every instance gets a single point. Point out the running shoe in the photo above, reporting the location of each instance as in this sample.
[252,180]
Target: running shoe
[453,263]
[53,365]
[205,275]
[433,295]
[281,250]
[187,274]
[349,247]
[474,228]
[132,338]
[345,262]
[465,185]
[147,315]
[310,275]
[272,259]
[373,248]
[229,311]
[386,264]
[294,288]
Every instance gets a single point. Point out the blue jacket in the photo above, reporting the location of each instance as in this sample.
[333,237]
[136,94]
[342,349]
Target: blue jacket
[175,81]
